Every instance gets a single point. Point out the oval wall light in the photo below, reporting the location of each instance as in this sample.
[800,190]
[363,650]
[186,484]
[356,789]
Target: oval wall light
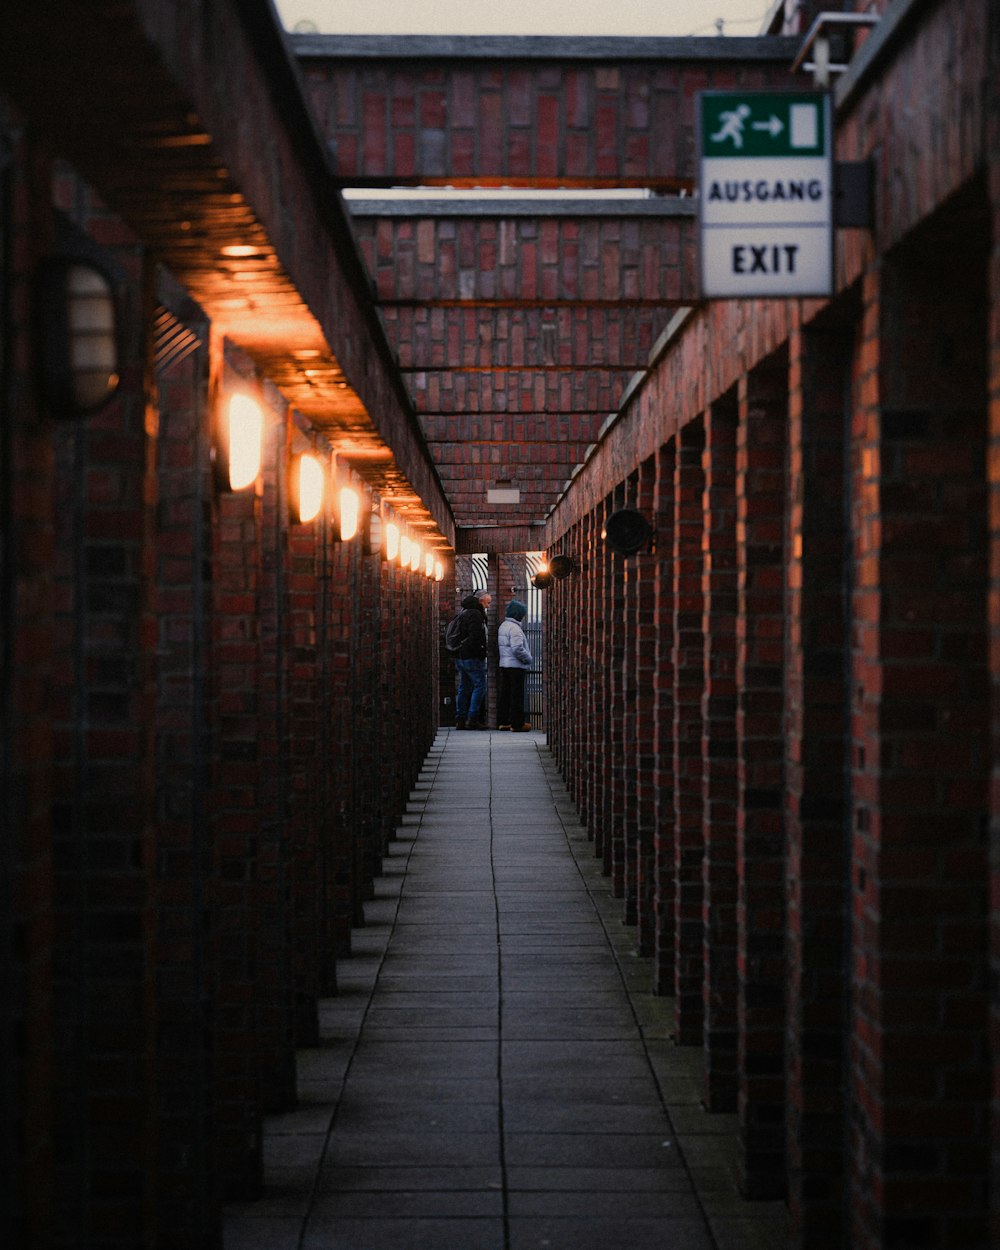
[244,439]
[438,571]
[350,512]
[416,555]
[306,487]
[78,349]
[392,541]
[626,531]
[404,550]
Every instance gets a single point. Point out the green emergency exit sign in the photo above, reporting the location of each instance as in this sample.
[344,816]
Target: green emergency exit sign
[765,194]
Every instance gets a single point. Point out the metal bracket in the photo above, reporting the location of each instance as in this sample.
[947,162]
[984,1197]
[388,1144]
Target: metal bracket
[818,39]
[852,194]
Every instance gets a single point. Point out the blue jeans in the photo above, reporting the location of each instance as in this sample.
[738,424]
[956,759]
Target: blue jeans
[471,688]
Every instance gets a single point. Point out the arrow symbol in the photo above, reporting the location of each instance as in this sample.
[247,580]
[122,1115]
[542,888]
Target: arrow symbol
[773,124]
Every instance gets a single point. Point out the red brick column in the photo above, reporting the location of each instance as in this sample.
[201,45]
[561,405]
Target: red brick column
[920,1141]
[188,1201]
[593,555]
[28,515]
[630,691]
[600,781]
[273,955]
[663,722]
[816,792]
[584,634]
[306,553]
[760,495]
[688,670]
[718,754]
[617,757]
[644,704]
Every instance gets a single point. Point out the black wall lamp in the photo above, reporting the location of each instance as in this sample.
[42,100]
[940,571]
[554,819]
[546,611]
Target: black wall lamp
[561,566]
[626,531]
[78,338]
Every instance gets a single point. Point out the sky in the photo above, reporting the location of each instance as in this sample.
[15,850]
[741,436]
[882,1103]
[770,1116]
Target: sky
[526,17]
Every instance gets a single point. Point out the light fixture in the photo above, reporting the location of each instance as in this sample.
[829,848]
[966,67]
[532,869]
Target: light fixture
[242,435]
[429,564]
[542,566]
[416,555]
[392,541]
[626,531]
[350,512]
[306,484]
[376,532]
[404,551]
[561,566]
[77,336]
[438,571]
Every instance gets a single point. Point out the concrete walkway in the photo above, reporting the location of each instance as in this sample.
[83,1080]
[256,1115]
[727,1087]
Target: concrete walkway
[495,1074]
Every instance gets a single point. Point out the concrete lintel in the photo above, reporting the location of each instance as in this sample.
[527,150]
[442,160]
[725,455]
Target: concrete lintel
[774,48]
[486,206]
[498,539]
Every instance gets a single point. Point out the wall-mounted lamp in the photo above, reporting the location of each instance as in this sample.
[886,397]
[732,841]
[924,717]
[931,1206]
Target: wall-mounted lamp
[626,531]
[404,551]
[541,579]
[429,564]
[561,566]
[306,487]
[350,512]
[393,541]
[438,571]
[78,336]
[238,443]
[376,532]
[416,555]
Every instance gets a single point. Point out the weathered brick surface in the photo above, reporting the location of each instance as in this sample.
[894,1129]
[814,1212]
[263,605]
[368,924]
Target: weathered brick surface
[760,637]
[416,123]
[689,681]
[718,755]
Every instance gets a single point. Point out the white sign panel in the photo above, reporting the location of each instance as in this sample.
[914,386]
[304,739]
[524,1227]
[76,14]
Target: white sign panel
[765,194]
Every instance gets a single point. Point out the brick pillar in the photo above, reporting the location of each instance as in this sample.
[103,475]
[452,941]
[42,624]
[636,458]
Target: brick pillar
[616,757]
[235,638]
[600,786]
[688,670]
[629,755]
[645,706]
[102,699]
[816,794]
[29,511]
[760,496]
[718,758]
[273,920]
[188,1201]
[307,548]
[582,626]
[919,1074]
[590,576]
[663,722]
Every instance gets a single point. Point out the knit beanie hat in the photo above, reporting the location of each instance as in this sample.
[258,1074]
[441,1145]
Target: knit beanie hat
[516,609]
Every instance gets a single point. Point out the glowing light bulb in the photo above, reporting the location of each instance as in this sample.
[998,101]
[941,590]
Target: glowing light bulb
[429,564]
[310,487]
[246,433]
[392,537]
[404,551]
[438,571]
[350,510]
[415,555]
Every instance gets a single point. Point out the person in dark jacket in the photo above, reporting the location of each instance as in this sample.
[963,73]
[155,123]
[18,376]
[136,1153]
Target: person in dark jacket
[471,663]
[515,661]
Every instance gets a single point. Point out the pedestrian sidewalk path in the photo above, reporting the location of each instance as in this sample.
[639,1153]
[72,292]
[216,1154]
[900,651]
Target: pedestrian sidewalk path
[495,1074]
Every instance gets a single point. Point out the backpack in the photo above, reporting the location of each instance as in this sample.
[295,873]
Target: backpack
[454,635]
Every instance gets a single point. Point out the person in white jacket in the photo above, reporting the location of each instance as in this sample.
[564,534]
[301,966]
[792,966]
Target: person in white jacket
[515,660]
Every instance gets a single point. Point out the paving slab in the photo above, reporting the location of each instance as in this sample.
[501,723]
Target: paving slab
[495,1073]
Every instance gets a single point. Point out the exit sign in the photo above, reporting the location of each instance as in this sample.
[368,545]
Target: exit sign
[765,194]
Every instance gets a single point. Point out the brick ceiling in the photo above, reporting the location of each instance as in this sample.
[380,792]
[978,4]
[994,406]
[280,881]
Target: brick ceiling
[520,323]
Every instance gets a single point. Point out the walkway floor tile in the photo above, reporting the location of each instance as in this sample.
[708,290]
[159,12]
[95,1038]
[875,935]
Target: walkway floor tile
[495,1073]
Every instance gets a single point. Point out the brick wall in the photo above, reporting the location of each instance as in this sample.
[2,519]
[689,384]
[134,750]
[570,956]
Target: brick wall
[210,744]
